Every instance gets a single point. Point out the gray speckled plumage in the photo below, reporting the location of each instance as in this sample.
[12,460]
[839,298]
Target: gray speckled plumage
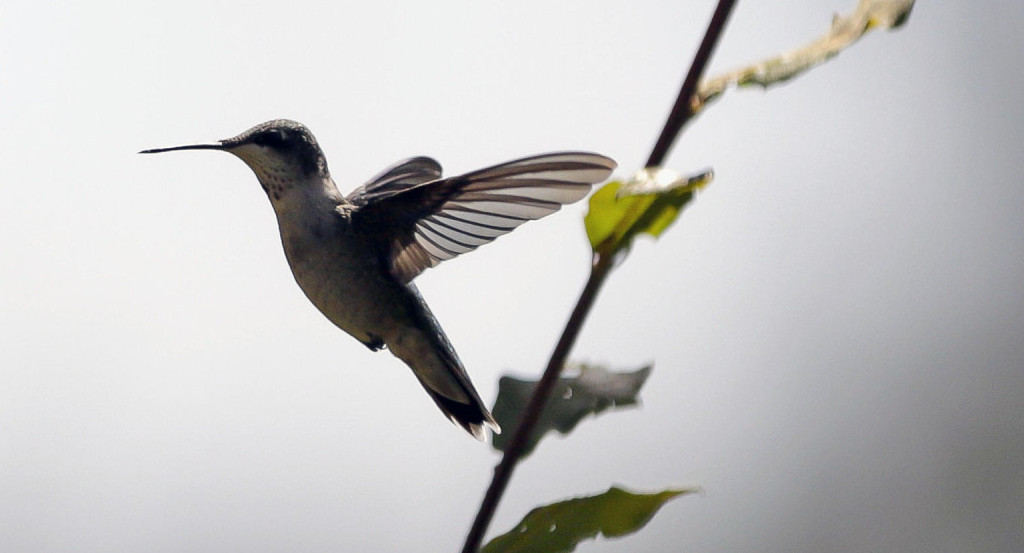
[355,257]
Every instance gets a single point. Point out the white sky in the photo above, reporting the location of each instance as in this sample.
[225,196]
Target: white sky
[837,323]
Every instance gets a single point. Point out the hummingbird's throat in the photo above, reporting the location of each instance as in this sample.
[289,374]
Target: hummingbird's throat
[275,174]
[274,182]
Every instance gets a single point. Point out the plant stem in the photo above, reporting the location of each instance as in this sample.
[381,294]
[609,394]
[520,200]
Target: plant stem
[602,265]
[513,451]
[683,110]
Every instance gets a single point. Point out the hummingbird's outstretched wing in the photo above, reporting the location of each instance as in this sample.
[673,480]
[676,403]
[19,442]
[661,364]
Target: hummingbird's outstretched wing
[421,221]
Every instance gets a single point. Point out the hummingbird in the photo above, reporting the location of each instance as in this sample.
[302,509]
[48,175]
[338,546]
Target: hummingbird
[355,256]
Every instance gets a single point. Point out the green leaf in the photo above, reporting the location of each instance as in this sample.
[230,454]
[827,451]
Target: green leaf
[647,204]
[559,527]
[592,391]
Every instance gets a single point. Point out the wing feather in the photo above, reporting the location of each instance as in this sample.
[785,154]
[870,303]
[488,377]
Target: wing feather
[421,223]
[395,179]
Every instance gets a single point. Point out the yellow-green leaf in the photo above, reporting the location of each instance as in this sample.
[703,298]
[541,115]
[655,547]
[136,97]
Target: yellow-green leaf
[648,203]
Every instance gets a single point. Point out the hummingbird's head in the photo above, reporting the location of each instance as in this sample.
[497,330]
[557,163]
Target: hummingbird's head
[281,152]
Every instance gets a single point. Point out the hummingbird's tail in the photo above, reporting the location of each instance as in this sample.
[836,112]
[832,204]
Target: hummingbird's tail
[473,417]
[433,360]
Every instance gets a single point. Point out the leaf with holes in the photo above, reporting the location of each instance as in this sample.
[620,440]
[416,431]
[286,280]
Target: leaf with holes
[559,527]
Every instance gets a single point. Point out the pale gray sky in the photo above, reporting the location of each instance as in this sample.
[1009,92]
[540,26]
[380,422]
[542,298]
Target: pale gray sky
[837,323]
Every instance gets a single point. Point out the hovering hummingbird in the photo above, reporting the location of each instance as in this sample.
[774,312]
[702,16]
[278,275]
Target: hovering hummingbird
[355,256]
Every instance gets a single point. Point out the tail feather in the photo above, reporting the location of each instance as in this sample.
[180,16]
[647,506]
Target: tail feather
[433,360]
[473,417]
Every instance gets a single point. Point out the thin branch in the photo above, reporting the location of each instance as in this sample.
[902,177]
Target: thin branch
[602,266]
[843,33]
[514,450]
[683,109]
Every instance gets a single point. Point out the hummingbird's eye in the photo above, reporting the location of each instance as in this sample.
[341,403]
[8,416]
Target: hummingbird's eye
[273,138]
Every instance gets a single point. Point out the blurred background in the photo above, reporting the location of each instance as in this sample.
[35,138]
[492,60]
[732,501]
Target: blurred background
[836,323]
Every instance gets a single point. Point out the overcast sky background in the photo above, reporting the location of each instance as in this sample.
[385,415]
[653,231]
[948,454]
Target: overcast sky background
[836,324]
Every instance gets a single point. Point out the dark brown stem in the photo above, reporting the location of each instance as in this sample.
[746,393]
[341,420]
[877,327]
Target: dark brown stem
[682,111]
[680,114]
[514,450]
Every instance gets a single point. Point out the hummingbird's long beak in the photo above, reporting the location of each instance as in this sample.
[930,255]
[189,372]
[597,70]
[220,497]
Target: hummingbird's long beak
[206,146]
